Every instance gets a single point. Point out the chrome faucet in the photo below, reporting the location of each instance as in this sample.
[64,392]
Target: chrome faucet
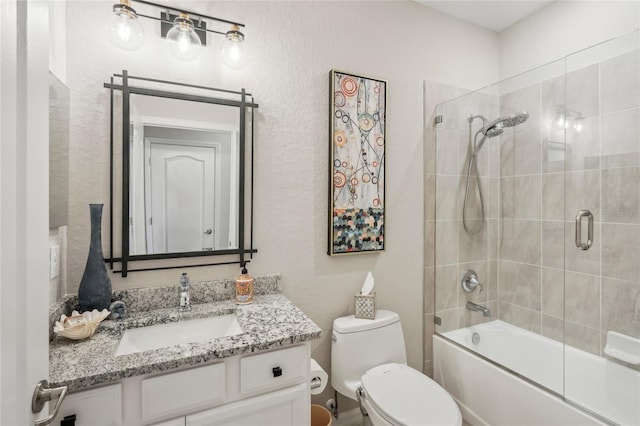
[478,308]
[185,299]
[470,281]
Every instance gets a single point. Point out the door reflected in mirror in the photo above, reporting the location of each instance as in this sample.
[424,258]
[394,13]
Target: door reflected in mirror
[184,176]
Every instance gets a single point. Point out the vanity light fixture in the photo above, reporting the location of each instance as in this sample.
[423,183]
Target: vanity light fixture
[185,38]
[233,55]
[183,41]
[123,27]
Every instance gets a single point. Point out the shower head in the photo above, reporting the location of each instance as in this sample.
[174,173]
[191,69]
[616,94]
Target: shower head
[496,127]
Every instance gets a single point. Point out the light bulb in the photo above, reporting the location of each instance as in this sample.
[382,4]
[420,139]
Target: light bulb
[233,54]
[577,127]
[184,43]
[123,27]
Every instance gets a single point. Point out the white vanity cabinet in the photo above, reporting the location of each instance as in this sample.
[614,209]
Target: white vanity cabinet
[264,388]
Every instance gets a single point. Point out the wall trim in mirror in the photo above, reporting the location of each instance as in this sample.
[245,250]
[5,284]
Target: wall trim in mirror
[186,171]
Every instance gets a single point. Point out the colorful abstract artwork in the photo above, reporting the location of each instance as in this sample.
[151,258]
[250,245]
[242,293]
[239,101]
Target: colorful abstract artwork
[357,153]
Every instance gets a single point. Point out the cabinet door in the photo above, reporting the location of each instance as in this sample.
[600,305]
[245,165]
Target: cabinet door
[95,407]
[287,407]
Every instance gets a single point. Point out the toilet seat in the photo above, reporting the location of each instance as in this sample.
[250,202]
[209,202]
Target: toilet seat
[403,396]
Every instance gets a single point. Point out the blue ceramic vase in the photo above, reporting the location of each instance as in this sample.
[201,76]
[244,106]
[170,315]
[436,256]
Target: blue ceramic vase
[95,287]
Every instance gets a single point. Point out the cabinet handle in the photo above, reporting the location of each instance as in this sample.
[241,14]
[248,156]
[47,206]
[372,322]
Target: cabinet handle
[579,243]
[277,371]
[69,421]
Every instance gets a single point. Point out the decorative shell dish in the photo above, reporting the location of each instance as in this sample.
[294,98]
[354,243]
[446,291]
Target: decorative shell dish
[79,326]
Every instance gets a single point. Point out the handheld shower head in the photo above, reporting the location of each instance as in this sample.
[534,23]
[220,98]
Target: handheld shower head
[496,127]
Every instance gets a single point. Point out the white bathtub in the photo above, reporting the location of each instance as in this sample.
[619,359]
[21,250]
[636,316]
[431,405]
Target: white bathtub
[490,395]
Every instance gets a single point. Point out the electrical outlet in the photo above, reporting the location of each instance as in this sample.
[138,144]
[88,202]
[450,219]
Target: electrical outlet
[54,261]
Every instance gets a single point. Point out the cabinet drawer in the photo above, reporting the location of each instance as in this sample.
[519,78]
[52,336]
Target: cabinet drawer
[95,407]
[182,392]
[273,370]
[286,407]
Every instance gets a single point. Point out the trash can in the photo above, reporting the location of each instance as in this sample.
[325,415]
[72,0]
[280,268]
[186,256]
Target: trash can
[320,416]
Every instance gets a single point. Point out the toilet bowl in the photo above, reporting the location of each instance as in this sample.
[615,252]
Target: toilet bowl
[396,394]
[368,364]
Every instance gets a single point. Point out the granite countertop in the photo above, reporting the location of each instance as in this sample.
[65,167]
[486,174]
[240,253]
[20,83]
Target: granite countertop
[271,321]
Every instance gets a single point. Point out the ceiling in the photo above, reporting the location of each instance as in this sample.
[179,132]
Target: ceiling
[493,15]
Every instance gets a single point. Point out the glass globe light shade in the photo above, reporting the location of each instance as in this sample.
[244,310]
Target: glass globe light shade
[124,29]
[184,43]
[233,54]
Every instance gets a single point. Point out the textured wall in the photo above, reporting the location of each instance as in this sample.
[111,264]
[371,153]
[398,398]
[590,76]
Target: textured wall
[293,45]
[561,28]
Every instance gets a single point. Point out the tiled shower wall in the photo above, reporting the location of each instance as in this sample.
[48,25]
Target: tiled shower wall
[535,178]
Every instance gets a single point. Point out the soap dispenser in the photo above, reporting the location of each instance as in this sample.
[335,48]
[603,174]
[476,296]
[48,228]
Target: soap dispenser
[244,287]
[185,298]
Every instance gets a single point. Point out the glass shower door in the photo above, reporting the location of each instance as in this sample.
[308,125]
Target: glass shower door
[602,187]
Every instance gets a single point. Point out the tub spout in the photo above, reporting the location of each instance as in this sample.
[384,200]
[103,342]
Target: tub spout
[478,308]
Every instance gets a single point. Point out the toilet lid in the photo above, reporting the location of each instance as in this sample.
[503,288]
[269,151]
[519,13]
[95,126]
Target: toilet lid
[405,396]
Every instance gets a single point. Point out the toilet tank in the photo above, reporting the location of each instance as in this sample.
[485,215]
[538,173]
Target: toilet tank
[360,344]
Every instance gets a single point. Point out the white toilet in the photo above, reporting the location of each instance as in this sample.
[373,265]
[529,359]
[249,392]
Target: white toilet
[368,364]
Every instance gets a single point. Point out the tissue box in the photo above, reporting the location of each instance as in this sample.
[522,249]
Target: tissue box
[365,306]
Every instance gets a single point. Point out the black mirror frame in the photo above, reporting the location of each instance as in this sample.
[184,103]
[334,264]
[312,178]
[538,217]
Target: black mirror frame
[244,254]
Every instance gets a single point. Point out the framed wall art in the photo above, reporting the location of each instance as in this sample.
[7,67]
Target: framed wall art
[357,140]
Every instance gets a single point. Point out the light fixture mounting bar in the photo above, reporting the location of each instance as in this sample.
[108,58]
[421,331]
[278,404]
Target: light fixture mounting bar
[196,14]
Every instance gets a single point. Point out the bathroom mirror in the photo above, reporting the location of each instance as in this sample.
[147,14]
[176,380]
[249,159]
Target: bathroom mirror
[184,172]
[183,188]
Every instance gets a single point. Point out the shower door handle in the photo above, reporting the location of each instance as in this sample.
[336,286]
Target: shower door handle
[579,243]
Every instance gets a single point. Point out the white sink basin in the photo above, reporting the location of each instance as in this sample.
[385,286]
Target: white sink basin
[176,333]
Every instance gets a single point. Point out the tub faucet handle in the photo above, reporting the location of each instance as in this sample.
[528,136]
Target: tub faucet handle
[470,281]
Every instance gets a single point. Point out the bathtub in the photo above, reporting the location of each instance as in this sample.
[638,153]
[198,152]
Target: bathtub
[492,395]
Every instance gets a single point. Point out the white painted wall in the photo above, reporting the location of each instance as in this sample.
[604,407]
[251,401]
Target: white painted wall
[561,28]
[293,45]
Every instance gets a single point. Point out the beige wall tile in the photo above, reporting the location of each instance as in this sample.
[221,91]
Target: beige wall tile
[620,86]
[429,294]
[621,307]
[446,287]
[621,195]
[553,328]
[447,197]
[472,247]
[583,146]
[520,316]
[582,193]
[620,248]
[448,320]
[526,99]
[520,284]
[429,329]
[446,149]
[620,138]
[430,197]
[553,292]
[582,299]
[446,242]
[520,152]
[553,196]
[521,197]
[553,242]
[520,241]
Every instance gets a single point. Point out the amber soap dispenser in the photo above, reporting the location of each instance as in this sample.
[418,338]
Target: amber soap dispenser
[244,287]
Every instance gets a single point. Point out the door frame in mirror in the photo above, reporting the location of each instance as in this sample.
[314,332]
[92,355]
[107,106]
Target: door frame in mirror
[244,102]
